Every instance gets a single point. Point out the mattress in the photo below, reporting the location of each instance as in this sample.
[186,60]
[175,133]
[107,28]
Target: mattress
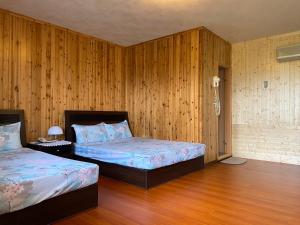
[28,177]
[141,153]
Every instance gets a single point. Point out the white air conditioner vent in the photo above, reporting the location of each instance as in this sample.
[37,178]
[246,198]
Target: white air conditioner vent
[289,53]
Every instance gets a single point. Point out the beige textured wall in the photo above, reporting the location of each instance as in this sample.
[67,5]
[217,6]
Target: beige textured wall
[266,121]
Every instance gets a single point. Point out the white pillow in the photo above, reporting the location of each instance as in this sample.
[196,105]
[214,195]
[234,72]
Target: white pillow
[90,133]
[11,135]
[117,131]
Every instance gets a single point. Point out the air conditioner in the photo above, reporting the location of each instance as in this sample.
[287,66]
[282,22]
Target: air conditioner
[288,53]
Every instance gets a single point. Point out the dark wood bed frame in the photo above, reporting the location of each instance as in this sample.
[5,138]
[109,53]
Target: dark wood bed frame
[51,209]
[141,177]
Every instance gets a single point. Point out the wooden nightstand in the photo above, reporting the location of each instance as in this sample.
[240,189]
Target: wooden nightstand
[58,148]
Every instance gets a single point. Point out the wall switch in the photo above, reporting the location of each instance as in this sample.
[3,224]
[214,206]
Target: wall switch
[266,84]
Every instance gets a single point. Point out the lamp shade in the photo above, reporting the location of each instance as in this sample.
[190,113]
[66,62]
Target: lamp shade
[55,130]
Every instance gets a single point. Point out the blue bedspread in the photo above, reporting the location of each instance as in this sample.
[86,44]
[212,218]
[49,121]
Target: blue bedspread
[141,153]
[28,177]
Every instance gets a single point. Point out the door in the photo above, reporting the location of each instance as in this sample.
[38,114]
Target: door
[222,116]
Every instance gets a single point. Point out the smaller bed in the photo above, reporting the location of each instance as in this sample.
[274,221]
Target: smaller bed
[140,161]
[38,188]
[28,177]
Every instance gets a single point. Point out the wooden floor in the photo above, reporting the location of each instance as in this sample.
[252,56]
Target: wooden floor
[254,193]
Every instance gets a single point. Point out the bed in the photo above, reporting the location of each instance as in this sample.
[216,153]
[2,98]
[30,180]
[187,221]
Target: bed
[116,159]
[39,188]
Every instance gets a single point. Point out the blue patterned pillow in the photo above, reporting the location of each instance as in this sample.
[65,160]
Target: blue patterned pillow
[90,133]
[118,130]
[10,136]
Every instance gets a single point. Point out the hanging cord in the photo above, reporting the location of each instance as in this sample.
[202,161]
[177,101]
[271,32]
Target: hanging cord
[217,103]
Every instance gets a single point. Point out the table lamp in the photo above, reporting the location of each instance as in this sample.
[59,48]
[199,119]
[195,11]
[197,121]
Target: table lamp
[55,131]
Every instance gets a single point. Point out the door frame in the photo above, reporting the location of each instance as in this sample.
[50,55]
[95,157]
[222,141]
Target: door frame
[228,116]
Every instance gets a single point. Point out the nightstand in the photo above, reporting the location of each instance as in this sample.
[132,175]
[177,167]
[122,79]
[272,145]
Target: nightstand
[58,148]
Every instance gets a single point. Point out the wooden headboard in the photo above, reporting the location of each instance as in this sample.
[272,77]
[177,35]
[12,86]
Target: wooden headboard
[8,116]
[90,118]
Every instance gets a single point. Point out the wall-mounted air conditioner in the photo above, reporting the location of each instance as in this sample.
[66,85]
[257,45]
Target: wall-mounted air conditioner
[288,53]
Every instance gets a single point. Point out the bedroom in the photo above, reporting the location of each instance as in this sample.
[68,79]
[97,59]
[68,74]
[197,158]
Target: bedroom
[152,63]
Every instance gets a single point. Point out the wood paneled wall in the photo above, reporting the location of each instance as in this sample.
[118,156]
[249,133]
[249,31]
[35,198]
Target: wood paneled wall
[215,53]
[266,121]
[169,87]
[165,84]
[163,94]
[46,69]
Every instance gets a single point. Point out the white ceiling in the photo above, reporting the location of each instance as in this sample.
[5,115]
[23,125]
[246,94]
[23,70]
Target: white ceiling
[128,22]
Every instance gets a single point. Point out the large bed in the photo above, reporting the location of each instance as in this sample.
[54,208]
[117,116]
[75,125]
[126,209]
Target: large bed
[39,188]
[140,161]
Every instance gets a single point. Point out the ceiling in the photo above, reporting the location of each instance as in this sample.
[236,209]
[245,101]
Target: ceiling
[128,22]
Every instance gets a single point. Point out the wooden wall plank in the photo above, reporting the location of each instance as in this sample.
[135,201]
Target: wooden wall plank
[45,69]
[169,93]
[164,84]
[215,52]
[162,76]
